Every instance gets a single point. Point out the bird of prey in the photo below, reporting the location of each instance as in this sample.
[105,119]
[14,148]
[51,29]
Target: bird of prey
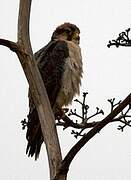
[60,65]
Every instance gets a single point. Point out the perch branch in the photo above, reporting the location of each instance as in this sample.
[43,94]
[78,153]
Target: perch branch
[76,148]
[124,117]
[67,122]
[83,118]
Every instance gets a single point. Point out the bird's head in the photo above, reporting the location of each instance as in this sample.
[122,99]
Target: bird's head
[67,31]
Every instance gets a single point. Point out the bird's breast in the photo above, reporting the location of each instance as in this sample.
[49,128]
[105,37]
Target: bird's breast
[71,78]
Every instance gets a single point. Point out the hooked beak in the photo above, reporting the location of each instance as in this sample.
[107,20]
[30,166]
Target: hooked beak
[76,37]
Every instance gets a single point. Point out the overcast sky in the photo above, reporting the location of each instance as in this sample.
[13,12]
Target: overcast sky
[106,75]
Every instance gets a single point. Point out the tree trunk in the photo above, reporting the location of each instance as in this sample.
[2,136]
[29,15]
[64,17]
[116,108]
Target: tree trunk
[37,88]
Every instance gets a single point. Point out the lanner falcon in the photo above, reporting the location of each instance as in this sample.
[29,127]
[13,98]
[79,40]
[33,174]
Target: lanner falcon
[60,65]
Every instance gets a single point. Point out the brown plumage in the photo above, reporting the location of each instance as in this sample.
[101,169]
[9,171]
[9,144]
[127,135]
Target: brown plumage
[60,65]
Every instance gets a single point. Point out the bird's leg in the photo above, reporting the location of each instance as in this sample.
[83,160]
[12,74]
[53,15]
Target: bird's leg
[59,112]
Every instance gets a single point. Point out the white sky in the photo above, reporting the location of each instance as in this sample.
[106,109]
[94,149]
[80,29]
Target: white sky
[106,75]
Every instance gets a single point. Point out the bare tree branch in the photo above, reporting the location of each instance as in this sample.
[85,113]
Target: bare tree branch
[82,119]
[81,122]
[76,148]
[24,52]
[38,90]
[67,122]
[122,40]
[11,45]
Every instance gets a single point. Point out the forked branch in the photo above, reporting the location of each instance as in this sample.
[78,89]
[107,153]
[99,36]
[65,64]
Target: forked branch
[24,52]
[77,147]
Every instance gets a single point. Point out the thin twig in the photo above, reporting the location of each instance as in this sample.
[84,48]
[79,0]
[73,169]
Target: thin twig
[122,40]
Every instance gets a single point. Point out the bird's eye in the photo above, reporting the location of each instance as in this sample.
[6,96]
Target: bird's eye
[67,31]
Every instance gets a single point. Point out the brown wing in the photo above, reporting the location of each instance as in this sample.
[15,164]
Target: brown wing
[50,61]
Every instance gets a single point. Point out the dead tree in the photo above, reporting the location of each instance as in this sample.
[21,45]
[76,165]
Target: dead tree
[58,166]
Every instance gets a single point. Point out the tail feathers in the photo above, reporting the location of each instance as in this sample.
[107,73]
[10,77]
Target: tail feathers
[33,148]
[34,135]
